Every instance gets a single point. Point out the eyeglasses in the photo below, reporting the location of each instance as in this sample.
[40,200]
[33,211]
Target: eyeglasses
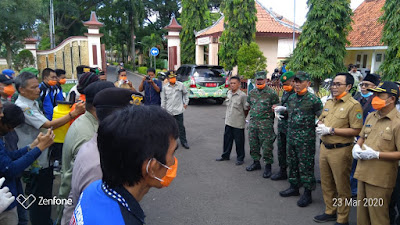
[337,84]
[365,85]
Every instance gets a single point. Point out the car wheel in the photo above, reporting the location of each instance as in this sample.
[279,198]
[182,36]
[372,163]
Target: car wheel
[220,101]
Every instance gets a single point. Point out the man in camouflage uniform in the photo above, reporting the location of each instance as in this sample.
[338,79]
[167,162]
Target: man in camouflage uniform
[287,79]
[261,128]
[302,107]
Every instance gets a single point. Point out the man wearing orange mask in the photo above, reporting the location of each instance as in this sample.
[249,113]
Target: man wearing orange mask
[287,80]
[123,81]
[61,80]
[48,92]
[6,87]
[378,152]
[339,123]
[302,107]
[175,99]
[261,127]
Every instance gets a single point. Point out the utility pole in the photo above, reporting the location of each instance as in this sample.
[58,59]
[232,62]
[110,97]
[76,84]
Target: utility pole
[294,23]
[51,25]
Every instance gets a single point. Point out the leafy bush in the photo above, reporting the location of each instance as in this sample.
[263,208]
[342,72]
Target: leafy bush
[142,70]
[115,63]
[250,60]
[23,59]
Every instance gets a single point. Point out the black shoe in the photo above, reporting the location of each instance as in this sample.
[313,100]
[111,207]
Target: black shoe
[221,159]
[267,171]
[185,145]
[255,166]
[281,175]
[305,199]
[324,218]
[341,223]
[238,163]
[291,191]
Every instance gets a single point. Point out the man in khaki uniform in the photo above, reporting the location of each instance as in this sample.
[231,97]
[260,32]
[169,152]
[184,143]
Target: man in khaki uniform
[341,120]
[377,165]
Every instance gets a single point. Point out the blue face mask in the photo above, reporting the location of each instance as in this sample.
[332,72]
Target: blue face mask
[367,95]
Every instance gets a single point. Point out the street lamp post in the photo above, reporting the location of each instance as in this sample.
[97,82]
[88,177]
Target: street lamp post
[294,23]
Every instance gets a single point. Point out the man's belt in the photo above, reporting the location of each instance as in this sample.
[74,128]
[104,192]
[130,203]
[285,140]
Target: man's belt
[339,145]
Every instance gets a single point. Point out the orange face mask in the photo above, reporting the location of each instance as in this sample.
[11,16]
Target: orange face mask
[302,92]
[287,88]
[52,82]
[341,95]
[9,90]
[63,81]
[260,86]
[124,78]
[172,80]
[378,103]
[169,176]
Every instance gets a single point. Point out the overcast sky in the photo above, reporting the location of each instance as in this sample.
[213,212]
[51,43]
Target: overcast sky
[285,8]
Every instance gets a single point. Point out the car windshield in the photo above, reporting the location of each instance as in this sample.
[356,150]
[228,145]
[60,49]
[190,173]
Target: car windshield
[207,72]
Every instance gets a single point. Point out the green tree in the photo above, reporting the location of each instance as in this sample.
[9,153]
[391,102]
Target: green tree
[195,16]
[391,37]
[322,44]
[23,59]
[250,60]
[17,19]
[240,28]
[148,42]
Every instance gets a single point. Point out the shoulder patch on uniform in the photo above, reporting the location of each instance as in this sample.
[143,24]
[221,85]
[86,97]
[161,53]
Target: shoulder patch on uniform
[29,111]
[359,116]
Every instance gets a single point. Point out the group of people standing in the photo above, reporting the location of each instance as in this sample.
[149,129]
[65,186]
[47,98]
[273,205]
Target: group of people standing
[363,129]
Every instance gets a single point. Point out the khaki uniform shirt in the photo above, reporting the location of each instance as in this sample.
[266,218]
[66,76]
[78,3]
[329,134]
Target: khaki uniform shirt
[381,134]
[236,105]
[173,97]
[30,129]
[343,113]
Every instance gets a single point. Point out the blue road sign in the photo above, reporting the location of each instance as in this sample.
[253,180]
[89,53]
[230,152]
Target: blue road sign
[154,51]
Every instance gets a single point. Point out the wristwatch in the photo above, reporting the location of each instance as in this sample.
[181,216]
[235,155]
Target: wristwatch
[332,131]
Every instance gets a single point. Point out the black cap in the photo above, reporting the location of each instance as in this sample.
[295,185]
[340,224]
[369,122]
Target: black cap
[117,98]
[92,89]
[387,87]
[5,79]
[85,80]
[373,78]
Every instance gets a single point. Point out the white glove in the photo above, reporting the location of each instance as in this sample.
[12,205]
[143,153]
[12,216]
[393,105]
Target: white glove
[323,130]
[356,151]
[280,108]
[369,153]
[280,117]
[6,197]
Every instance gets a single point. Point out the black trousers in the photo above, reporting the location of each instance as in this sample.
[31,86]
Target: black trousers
[40,185]
[231,134]
[181,127]
[395,202]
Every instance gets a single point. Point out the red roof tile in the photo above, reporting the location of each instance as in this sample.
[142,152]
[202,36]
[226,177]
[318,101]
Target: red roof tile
[268,22]
[173,25]
[367,30]
[93,22]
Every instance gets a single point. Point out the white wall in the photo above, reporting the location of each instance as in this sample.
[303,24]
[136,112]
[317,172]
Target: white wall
[269,46]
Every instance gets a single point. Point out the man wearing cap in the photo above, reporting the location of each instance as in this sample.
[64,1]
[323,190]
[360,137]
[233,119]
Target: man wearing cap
[378,152]
[261,127]
[339,123]
[175,99]
[302,108]
[6,87]
[87,163]
[8,72]
[287,80]
[365,98]
[235,121]
[80,132]
[41,172]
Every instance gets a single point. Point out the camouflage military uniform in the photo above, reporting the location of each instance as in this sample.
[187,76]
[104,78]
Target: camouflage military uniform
[282,130]
[261,127]
[302,111]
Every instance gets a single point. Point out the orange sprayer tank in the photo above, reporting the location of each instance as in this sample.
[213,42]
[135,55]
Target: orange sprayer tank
[62,109]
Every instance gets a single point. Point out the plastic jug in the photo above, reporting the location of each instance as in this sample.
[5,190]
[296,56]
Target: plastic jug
[62,109]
